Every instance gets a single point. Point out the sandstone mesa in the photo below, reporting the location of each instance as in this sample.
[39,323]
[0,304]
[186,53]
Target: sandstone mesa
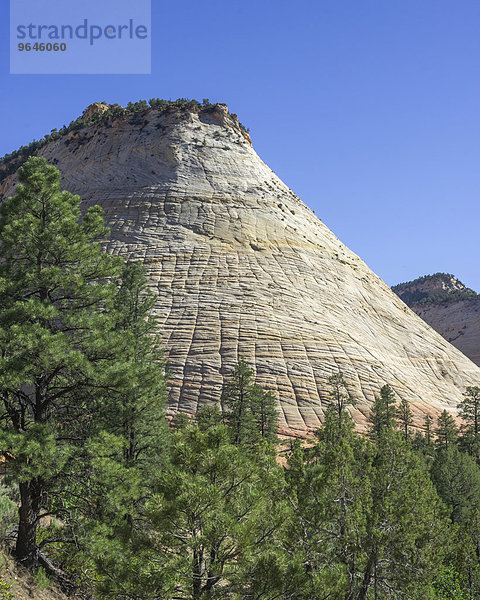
[241,267]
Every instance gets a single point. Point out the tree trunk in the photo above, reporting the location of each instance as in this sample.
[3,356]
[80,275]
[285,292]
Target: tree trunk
[367,577]
[197,574]
[30,498]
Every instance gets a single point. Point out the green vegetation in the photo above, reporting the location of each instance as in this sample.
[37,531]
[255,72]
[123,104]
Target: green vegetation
[8,511]
[202,510]
[12,161]
[469,410]
[384,412]
[422,298]
[368,522]
[446,431]
[41,578]
[248,410]
[78,371]
[5,593]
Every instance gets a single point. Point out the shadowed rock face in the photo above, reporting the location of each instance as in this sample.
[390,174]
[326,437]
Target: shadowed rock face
[449,307]
[242,267]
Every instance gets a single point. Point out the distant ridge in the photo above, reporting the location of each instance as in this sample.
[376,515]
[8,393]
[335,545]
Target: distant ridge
[433,289]
[447,305]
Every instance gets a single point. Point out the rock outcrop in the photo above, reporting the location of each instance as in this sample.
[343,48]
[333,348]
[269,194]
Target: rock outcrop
[242,267]
[448,306]
[95,109]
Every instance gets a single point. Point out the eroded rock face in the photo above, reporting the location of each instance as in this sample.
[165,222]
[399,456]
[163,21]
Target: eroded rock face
[449,307]
[242,267]
[458,322]
[97,108]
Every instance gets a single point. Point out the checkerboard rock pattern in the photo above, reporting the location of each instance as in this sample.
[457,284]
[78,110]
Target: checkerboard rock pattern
[242,268]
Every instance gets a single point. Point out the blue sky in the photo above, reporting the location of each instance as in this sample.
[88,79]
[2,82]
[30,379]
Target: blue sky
[368,110]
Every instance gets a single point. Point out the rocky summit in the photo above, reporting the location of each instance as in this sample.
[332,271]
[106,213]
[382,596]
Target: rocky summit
[447,305]
[242,268]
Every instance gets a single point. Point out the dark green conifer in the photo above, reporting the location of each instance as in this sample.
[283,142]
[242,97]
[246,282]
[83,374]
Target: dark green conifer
[129,447]
[213,518]
[384,412]
[265,415]
[236,395]
[338,395]
[137,412]
[457,479]
[405,417]
[428,422]
[446,431]
[369,522]
[469,411]
[469,408]
[249,410]
[57,334]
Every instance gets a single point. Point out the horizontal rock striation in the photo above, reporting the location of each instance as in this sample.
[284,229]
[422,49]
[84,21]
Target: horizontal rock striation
[242,267]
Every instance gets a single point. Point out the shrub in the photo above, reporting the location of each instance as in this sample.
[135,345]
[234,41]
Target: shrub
[8,511]
[13,160]
[5,593]
[41,579]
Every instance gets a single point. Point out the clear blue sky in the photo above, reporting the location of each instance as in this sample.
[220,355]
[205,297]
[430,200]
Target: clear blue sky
[368,110]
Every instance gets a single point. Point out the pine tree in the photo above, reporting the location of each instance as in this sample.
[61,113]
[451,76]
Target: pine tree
[249,410]
[446,431]
[469,411]
[235,400]
[130,444]
[57,337]
[369,522]
[330,489]
[137,413]
[428,422]
[407,532]
[207,416]
[456,476]
[213,515]
[339,396]
[469,408]
[457,479]
[405,417]
[422,441]
[265,414]
[383,412]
